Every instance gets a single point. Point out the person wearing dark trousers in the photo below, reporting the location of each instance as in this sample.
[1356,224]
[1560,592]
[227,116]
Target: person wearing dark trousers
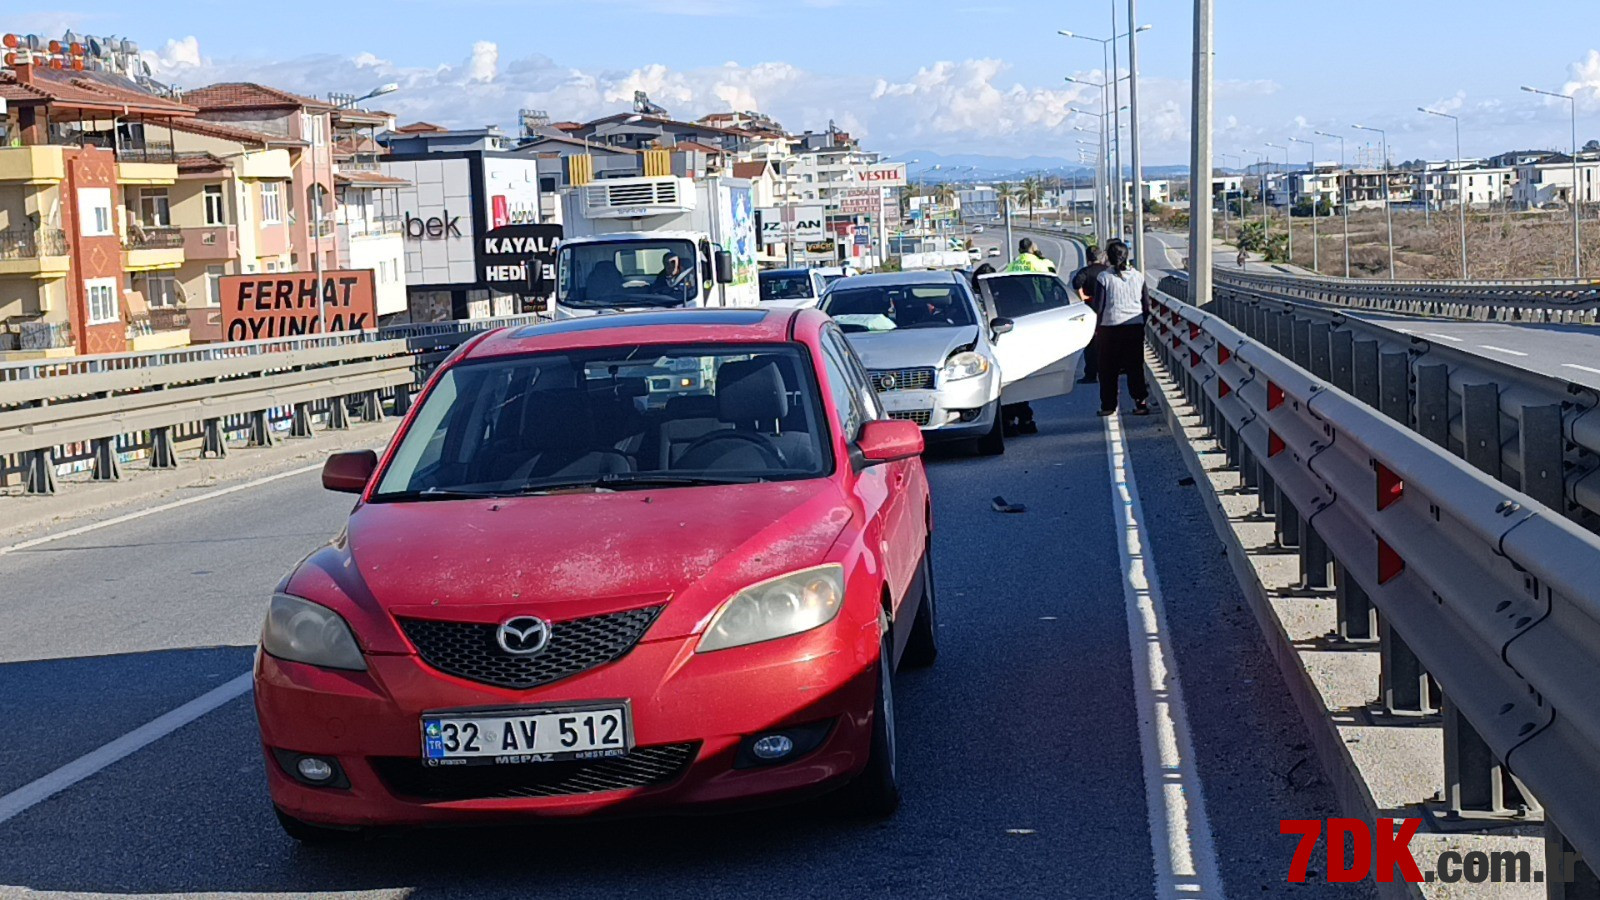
[1122,296]
[1083,282]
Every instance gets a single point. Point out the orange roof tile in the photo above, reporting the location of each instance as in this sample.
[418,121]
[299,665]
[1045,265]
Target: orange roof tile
[247,95]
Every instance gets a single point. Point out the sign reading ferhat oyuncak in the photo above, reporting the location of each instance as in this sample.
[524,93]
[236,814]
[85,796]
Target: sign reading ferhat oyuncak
[520,259]
[287,304]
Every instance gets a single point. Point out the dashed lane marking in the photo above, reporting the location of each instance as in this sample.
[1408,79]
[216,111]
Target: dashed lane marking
[1502,350]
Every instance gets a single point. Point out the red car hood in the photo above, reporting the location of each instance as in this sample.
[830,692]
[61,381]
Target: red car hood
[573,555]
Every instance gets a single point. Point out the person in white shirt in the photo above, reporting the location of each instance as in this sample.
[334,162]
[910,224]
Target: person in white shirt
[1121,296]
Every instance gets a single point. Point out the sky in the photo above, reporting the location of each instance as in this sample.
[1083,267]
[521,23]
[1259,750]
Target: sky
[945,76]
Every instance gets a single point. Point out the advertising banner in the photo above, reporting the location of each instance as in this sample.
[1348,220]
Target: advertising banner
[286,304]
[861,202]
[521,259]
[779,224]
[884,175]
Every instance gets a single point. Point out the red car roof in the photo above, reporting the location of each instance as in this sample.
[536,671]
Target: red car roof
[742,325]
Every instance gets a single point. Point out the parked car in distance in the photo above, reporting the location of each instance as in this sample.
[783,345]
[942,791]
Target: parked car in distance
[977,229]
[994,251]
[659,560]
[975,254]
[791,288]
[830,274]
[941,359]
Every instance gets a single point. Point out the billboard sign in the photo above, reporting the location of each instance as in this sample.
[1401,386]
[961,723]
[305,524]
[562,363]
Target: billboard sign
[858,202]
[780,224]
[512,188]
[520,259]
[885,175]
[288,304]
[435,209]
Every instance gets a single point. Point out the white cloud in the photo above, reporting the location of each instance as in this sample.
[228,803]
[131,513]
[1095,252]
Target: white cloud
[1585,81]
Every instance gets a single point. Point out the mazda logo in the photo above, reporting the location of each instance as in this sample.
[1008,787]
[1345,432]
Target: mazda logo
[523,635]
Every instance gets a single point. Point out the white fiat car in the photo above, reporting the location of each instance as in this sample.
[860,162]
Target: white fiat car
[947,360]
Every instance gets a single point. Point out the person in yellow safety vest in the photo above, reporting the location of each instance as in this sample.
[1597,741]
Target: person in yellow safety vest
[1030,259]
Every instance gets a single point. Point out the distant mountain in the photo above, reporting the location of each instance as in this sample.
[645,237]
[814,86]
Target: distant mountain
[930,166]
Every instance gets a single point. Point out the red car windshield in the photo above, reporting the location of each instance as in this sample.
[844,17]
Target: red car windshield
[611,418]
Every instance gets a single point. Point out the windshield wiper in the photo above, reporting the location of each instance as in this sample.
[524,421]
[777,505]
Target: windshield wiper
[623,480]
[434,493]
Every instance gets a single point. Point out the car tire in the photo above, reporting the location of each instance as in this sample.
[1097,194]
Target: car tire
[314,835]
[994,443]
[875,793]
[922,648]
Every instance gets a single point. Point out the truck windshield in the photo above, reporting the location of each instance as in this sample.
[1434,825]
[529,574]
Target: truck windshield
[612,419]
[628,274]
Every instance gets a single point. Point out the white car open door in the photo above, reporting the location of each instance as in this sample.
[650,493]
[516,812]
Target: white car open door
[1050,328]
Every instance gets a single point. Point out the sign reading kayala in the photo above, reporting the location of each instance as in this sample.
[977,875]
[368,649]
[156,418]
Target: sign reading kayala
[521,259]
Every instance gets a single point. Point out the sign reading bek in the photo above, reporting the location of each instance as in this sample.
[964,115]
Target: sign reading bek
[287,304]
[521,259]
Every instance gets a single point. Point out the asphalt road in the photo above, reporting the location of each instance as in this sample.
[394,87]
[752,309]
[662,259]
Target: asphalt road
[1570,353]
[1067,255]
[1020,750]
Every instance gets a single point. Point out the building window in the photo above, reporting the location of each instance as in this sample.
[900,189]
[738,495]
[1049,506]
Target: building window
[216,209]
[102,298]
[271,203]
[94,212]
[160,289]
[155,208]
[214,284]
[312,127]
[272,267]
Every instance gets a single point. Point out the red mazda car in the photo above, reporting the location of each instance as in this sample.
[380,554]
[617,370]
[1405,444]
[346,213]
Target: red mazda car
[630,562]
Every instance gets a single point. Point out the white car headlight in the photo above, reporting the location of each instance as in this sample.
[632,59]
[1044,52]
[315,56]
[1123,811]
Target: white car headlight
[301,631]
[778,607]
[965,364]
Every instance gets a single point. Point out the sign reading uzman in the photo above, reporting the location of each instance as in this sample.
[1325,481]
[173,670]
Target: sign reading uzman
[287,304]
[521,259]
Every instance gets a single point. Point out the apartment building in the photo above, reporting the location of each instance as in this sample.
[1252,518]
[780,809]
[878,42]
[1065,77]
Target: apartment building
[1548,182]
[1443,184]
[368,232]
[80,153]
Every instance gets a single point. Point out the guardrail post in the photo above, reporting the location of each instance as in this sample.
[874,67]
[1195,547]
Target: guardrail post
[1364,372]
[402,399]
[1567,875]
[1268,495]
[300,427]
[338,414]
[1341,360]
[1288,524]
[40,466]
[260,429]
[372,406]
[1357,617]
[1283,339]
[163,453]
[1406,687]
[1249,471]
[106,467]
[1543,465]
[1433,404]
[1480,421]
[1316,563]
[1394,386]
[214,442]
[1476,783]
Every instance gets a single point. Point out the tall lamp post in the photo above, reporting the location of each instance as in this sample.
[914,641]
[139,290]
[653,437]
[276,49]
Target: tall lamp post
[1133,135]
[1316,201]
[1388,209]
[1288,198]
[1577,204]
[316,190]
[1461,183]
[1113,109]
[1344,201]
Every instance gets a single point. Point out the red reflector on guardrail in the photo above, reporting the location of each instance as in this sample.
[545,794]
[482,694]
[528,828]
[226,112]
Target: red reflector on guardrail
[1175,342]
[1223,355]
[1223,388]
[1194,331]
[1194,359]
[1274,443]
[1390,487]
[1389,563]
[1274,396]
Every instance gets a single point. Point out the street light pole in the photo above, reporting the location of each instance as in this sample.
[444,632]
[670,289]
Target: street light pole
[1133,136]
[1200,158]
[1316,202]
[317,192]
[1388,208]
[1461,183]
[1288,199]
[1344,201]
[1577,203]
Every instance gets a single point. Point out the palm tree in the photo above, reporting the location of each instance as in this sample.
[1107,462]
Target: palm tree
[1032,192]
[1006,193]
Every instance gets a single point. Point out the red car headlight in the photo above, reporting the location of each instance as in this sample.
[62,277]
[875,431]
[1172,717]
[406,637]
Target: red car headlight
[301,631]
[777,607]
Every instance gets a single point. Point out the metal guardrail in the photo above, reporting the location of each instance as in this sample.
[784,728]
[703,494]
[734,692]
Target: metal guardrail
[1484,588]
[100,408]
[1537,434]
[1569,302]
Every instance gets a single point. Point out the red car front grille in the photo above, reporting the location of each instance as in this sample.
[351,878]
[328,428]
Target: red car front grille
[644,767]
[469,649]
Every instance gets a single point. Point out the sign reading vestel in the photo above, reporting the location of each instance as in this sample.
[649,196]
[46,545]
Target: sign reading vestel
[521,258]
[286,304]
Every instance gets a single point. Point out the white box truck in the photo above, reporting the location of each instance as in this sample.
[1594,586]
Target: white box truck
[656,243]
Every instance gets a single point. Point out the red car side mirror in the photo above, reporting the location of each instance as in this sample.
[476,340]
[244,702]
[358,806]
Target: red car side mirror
[349,472]
[886,440]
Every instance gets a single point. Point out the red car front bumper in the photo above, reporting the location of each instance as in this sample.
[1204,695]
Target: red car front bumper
[370,722]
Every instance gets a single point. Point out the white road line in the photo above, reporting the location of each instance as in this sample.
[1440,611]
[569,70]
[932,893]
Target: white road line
[1181,841]
[35,792]
[1502,350]
[1442,337]
[1581,368]
[129,517]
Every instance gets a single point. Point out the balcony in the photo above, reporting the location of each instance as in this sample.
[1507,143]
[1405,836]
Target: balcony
[211,242]
[29,338]
[32,165]
[34,252]
[381,226]
[158,328]
[149,248]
